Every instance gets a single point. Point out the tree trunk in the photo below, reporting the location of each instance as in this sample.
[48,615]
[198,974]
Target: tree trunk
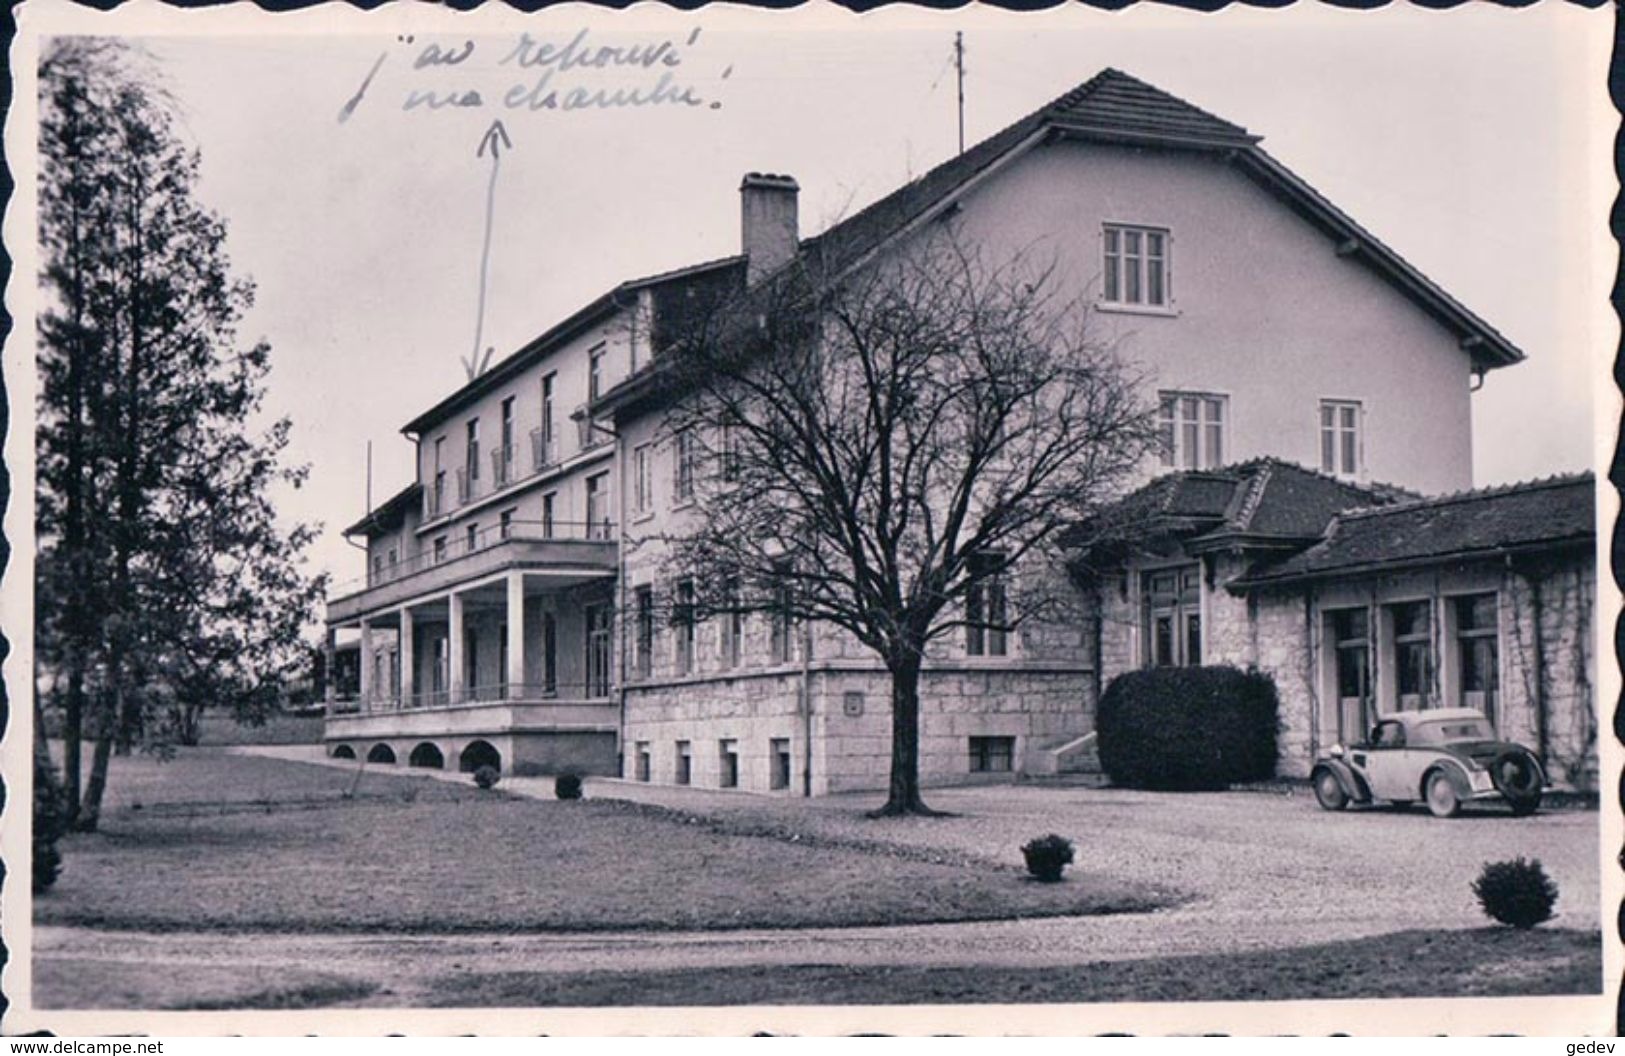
[73,733]
[903,791]
[90,811]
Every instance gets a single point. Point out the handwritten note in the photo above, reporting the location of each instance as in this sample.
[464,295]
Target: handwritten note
[535,74]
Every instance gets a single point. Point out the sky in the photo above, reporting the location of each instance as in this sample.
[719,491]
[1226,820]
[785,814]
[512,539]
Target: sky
[1474,141]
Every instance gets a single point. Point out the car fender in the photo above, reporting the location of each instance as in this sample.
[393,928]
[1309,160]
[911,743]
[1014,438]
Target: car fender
[1354,785]
[1453,769]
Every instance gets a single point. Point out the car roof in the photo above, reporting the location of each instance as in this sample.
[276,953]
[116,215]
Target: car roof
[1411,718]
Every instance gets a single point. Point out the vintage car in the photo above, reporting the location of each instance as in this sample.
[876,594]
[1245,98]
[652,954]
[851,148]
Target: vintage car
[1444,756]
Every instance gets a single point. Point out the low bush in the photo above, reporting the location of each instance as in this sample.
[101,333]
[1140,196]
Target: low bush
[487,776]
[567,786]
[1047,856]
[48,826]
[1517,892]
[1188,728]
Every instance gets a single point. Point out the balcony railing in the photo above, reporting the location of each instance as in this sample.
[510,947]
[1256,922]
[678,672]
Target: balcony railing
[591,432]
[502,466]
[468,487]
[464,545]
[434,498]
[544,453]
[494,693]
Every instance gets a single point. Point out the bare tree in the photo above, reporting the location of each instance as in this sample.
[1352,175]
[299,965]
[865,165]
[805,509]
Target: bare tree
[893,451]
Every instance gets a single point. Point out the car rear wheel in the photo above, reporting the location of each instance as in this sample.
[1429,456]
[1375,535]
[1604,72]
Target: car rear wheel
[1441,796]
[1517,777]
[1329,791]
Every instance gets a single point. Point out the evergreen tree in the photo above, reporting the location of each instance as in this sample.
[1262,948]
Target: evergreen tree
[165,583]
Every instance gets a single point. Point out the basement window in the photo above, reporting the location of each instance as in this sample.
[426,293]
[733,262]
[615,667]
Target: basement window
[992,755]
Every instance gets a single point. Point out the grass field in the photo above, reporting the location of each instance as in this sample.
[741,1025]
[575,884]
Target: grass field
[1488,962]
[215,841]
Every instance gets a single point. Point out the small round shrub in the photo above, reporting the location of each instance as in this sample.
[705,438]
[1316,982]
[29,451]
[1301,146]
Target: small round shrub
[1047,856]
[1186,729]
[567,786]
[1517,892]
[487,776]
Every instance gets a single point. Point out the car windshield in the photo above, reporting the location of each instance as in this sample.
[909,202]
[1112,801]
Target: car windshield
[1448,731]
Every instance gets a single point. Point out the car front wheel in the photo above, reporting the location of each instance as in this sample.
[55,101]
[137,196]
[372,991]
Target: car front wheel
[1441,796]
[1329,791]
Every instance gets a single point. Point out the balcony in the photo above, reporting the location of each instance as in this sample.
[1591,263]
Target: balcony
[590,431]
[544,450]
[476,710]
[434,498]
[502,467]
[468,483]
[567,546]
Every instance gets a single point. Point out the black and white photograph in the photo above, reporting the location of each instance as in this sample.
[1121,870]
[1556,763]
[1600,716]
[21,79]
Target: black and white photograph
[734,520]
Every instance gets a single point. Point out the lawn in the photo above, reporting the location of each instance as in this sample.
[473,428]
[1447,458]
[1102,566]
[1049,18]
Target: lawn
[1486,962]
[215,841]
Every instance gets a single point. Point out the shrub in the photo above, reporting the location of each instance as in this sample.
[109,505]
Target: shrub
[48,826]
[1047,856]
[487,776]
[567,786]
[1517,892]
[1188,728]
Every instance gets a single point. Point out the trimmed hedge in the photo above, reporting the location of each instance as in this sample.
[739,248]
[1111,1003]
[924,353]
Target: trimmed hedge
[1185,729]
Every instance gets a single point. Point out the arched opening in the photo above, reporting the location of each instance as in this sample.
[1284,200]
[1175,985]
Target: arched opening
[343,751]
[381,753]
[427,756]
[478,754]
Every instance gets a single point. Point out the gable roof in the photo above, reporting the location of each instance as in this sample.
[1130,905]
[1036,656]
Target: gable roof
[1539,515]
[388,516]
[1261,504]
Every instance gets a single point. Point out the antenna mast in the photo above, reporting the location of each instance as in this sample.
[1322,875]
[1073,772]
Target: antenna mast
[959,64]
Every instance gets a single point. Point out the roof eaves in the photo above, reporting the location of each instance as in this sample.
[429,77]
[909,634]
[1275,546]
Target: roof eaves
[1384,565]
[1491,350]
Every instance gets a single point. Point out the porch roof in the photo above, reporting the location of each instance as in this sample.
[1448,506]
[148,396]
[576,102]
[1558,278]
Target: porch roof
[1539,515]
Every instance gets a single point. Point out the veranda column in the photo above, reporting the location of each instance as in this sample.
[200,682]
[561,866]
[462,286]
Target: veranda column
[366,664]
[408,659]
[330,653]
[516,635]
[454,646]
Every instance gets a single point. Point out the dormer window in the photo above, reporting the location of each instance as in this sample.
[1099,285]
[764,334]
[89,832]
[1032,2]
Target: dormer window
[1135,271]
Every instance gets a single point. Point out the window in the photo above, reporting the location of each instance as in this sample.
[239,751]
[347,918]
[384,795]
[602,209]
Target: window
[1351,647]
[1411,627]
[683,486]
[730,764]
[728,445]
[598,645]
[393,558]
[1478,660]
[642,481]
[437,499]
[643,645]
[643,761]
[598,526]
[685,763]
[378,568]
[733,624]
[779,757]
[548,432]
[986,615]
[1193,427]
[550,654]
[502,458]
[472,536]
[505,523]
[682,617]
[549,501]
[1340,437]
[992,755]
[595,373]
[1172,598]
[1136,266]
[439,549]
[473,462]
[780,613]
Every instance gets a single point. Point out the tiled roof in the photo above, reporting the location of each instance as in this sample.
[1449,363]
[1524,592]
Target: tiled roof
[1537,515]
[1264,502]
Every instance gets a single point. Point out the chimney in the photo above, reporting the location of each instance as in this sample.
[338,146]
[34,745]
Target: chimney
[767,212]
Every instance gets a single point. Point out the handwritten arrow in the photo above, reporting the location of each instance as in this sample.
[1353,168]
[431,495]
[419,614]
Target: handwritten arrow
[494,140]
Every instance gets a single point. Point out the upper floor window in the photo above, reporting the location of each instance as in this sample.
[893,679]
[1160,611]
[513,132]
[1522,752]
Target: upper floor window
[986,611]
[473,449]
[683,617]
[1340,437]
[733,624]
[642,480]
[728,449]
[1136,266]
[781,612]
[595,373]
[683,487]
[644,639]
[439,549]
[1193,429]
[598,523]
